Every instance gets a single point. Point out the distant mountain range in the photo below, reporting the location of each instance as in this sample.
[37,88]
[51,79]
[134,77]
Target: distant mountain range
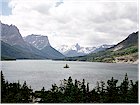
[124,52]
[14,46]
[77,50]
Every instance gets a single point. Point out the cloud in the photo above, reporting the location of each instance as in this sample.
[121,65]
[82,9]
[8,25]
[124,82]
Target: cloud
[88,22]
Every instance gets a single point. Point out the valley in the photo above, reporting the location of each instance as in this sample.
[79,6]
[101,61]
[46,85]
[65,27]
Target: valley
[69,51]
[33,46]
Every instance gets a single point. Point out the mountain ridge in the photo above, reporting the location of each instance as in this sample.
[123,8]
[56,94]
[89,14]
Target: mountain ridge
[11,52]
[38,41]
[128,53]
[34,48]
[10,35]
[77,50]
[43,45]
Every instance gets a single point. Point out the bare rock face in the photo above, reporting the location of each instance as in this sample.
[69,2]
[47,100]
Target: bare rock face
[42,43]
[11,35]
[33,45]
[38,41]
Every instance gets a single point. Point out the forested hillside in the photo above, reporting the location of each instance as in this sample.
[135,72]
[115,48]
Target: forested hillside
[124,52]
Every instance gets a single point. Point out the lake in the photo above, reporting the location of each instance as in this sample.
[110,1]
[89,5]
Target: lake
[39,73]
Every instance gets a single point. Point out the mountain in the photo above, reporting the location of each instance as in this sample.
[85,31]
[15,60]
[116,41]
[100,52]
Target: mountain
[74,50]
[11,52]
[52,53]
[124,52]
[131,40]
[37,41]
[10,35]
[77,50]
[42,44]
[102,48]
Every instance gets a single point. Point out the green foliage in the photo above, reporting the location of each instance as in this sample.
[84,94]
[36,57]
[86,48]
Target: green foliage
[71,91]
[78,92]
[14,92]
[107,55]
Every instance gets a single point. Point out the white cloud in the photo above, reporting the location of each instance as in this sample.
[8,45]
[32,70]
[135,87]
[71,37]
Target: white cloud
[88,22]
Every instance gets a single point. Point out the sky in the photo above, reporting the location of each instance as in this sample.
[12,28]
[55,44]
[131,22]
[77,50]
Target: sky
[67,22]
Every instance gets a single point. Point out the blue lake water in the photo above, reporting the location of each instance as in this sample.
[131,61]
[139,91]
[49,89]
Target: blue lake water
[39,73]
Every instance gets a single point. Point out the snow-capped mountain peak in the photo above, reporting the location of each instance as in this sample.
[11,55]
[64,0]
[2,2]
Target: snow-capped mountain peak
[77,50]
[77,46]
[62,48]
[74,50]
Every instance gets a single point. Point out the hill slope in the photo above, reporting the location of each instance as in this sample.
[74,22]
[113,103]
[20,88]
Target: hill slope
[10,52]
[124,52]
[52,53]
[131,40]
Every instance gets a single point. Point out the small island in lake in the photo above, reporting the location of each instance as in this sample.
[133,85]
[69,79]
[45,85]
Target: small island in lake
[66,66]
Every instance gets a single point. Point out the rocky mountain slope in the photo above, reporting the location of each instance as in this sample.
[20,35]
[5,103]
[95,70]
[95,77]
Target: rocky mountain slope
[131,40]
[37,41]
[9,52]
[43,45]
[10,35]
[124,52]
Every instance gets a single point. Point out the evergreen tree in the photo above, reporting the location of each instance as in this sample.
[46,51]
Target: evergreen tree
[102,93]
[87,87]
[70,92]
[26,93]
[112,90]
[3,88]
[124,89]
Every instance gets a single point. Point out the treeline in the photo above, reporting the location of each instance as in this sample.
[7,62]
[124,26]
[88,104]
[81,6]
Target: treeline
[15,92]
[70,91]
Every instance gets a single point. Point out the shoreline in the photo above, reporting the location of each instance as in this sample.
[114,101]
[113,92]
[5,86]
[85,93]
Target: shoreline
[116,61]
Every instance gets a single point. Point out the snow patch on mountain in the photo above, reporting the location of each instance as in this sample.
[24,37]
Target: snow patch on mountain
[38,41]
[74,50]
[77,50]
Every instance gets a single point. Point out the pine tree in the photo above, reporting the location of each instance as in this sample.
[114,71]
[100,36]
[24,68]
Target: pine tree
[3,88]
[112,90]
[124,85]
